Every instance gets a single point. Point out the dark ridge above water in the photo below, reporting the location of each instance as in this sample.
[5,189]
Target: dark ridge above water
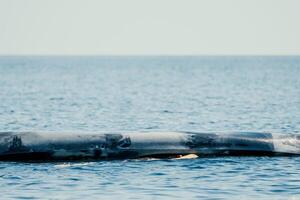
[74,146]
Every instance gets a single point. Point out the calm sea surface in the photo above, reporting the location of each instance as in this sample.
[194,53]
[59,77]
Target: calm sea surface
[154,94]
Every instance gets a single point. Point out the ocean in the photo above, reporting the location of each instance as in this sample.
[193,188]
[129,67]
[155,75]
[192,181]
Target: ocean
[151,93]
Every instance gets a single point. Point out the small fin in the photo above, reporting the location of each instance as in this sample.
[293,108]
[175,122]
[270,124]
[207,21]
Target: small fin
[189,156]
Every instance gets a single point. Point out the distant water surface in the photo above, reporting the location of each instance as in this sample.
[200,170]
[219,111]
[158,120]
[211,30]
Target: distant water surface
[151,94]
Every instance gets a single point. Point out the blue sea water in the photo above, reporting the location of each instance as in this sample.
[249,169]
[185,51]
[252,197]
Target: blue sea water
[151,93]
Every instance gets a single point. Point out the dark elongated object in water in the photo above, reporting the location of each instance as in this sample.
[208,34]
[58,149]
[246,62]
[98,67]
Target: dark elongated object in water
[74,146]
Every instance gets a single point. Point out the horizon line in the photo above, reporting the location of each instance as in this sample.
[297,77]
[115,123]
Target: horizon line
[149,55]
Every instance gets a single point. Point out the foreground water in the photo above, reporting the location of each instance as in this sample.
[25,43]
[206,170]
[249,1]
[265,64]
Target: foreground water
[155,94]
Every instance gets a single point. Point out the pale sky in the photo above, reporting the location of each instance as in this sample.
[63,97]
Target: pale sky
[150,27]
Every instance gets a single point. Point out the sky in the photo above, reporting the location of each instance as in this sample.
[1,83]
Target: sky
[150,27]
